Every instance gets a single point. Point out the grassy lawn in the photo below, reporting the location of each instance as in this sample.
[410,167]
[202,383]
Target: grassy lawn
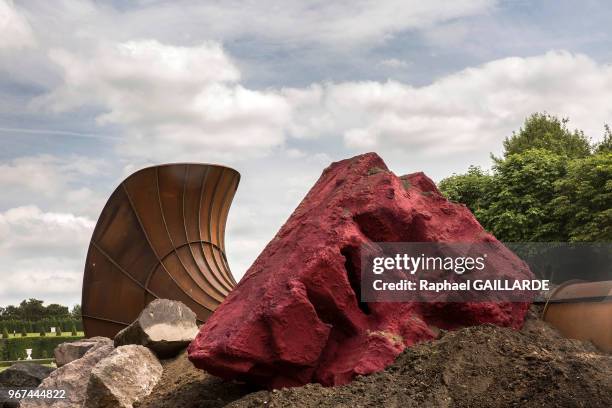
[47,365]
[48,334]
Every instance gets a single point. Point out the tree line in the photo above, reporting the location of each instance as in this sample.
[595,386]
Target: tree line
[32,316]
[551,184]
[34,309]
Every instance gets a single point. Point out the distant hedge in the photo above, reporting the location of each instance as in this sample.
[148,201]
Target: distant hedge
[42,347]
[16,326]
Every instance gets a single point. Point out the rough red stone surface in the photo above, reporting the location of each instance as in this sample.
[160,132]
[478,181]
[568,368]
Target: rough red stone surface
[295,318]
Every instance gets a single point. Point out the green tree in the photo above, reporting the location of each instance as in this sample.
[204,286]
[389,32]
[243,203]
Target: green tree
[583,204]
[55,310]
[43,331]
[73,330]
[5,333]
[32,309]
[24,332]
[549,185]
[76,312]
[11,312]
[606,144]
[471,189]
[58,331]
[544,131]
[519,207]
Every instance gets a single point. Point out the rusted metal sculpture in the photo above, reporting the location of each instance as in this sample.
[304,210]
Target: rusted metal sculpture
[160,235]
[582,310]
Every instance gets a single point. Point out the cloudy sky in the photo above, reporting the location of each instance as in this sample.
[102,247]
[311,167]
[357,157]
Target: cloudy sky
[90,91]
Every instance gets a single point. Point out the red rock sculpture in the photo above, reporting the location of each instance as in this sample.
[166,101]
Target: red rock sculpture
[296,317]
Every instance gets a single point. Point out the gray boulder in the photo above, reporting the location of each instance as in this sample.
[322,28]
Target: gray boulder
[27,375]
[70,351]
[21,375]
[73,378]
[165,326]
[128,374]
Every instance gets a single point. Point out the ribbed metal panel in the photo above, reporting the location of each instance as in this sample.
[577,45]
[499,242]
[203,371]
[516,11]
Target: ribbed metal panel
[160,235]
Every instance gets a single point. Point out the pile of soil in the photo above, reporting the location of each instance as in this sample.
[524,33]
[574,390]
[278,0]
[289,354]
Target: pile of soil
[184,386]
[480,366]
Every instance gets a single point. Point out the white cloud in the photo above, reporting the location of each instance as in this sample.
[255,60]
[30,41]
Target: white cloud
[267,31]
[438,128]
[394,63]
[450,34]
[120,74]
[172,107]
[270,189]
[471,110]
[188,102]
[42,253]
[343,23]
[47,174]
[338,23]
[15,31]
[63,183]
[24,230]
[171,100]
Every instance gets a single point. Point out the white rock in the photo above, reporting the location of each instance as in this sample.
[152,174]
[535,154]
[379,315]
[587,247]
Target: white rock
[70,351]
[128,374]
[165,326]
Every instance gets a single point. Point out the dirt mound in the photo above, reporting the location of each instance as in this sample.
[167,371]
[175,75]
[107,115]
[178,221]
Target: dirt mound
[184,386]
[480,366]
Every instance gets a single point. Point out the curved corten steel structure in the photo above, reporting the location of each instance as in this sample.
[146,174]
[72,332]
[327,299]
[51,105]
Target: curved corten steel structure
[160,235]
[582,310]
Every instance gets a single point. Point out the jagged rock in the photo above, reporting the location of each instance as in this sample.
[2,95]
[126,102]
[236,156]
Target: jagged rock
[24,375]
[73,378]
[126,375]
[70,351]
[21,375]
[295,317]
[165,326]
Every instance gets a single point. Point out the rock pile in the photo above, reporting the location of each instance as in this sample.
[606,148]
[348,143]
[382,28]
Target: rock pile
[296,316]
[95,374]
[73,378]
